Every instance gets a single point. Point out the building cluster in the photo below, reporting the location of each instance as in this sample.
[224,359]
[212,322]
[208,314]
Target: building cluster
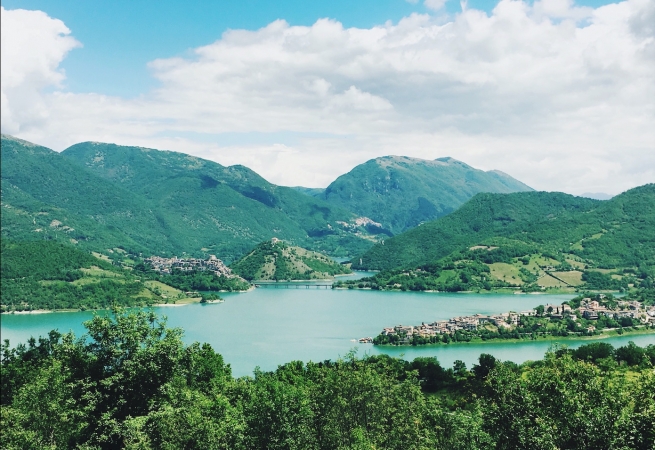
[360,222]
[166,265]
[592,310]
[589,309]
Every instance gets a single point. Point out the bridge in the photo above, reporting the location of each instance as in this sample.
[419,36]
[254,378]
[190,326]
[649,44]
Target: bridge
[293,285]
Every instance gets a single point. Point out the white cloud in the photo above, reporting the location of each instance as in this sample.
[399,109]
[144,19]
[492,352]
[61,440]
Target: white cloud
[434,5]
[33,45]
[559,96]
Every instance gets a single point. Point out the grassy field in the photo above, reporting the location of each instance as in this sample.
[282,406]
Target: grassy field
[95,271]
[548,281]
[574,278]
[506,272]
[164,290]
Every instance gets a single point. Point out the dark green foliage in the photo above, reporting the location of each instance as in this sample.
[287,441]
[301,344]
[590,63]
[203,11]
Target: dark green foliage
[614,233]
[203,281]
[594,351]
[598,280]
[44,260]
[29,294]
[40,275]
[401,192]
[132,383]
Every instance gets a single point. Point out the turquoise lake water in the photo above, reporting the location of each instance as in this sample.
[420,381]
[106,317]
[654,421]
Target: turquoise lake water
[267,327]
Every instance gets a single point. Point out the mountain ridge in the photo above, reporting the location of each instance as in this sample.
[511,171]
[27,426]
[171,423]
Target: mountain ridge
[608,233]
[159,202]
[401,192]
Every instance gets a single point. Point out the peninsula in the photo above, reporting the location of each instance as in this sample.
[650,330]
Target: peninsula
[276,260]
[581,316]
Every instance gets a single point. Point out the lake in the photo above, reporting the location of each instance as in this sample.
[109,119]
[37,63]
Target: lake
[267,327]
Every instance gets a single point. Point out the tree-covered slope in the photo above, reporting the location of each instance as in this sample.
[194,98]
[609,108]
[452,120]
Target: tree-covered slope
[102,196]
[52,275]
[617,232]
[224,209]
[276,260]
[46,196]
[401,192]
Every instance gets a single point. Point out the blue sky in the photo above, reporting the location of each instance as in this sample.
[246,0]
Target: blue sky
[120,37]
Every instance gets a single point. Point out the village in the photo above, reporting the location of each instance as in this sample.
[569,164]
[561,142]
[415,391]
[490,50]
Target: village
[589,311]
[167,265]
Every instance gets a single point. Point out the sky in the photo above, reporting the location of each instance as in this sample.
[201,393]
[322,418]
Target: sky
[559,94]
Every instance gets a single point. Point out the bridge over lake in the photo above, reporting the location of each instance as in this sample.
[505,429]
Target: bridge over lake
[275,285]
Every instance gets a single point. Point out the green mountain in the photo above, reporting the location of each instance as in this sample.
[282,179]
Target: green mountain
[47,196]
[276,260]
[104,196]
[606,234]
[401,192]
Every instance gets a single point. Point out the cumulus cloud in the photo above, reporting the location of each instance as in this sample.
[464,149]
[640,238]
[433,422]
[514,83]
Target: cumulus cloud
[560,96]
[33,45]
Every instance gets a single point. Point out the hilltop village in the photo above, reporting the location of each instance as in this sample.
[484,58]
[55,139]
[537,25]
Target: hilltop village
[580,317]
[167,265]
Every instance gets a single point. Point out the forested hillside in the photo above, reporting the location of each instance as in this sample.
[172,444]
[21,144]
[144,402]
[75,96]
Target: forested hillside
[401,192]
[50,275]
[223,209]
[134,384]
[103,196]
[276,260]
[46,196]
[604,234]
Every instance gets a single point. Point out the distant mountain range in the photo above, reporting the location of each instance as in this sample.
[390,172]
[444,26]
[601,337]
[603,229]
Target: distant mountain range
[105,196]
[401,192]
[607,234]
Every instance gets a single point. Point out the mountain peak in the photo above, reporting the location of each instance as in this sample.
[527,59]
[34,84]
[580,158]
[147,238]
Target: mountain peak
[401,192]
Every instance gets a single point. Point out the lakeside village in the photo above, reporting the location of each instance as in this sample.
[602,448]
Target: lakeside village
[221,277]
[167,265]
[586,316]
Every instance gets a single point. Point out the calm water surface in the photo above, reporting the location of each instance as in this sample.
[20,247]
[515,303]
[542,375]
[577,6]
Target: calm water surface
[267,327]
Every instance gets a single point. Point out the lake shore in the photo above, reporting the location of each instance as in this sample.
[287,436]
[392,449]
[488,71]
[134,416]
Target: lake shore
[479,341]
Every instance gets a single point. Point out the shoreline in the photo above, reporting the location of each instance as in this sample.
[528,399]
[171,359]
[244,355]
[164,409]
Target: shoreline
[606,335]
[180,302]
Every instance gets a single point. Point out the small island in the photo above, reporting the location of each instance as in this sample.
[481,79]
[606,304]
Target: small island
[591,315]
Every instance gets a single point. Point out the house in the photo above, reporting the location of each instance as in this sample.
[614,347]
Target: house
[590,314]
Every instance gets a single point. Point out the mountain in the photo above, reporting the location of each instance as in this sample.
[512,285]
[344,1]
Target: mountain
[614,233]
[401,192]
[47,196]
[276,260]
[105,196]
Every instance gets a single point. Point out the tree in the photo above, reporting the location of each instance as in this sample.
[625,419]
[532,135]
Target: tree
[486,363]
